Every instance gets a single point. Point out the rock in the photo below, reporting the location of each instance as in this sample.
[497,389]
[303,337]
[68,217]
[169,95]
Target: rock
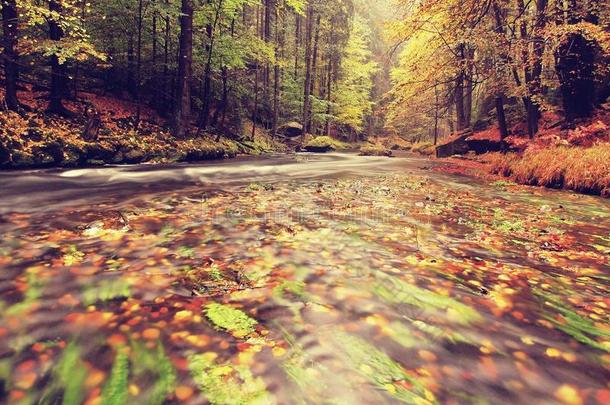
[55,150]
[99,152]
[291,129]
[34,134]
[463,144]
[457,146]
[133,156]
[22,159]
[5,154]
[319,149]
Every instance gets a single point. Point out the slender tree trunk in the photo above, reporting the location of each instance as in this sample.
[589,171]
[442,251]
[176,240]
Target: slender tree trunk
[329,90]
[450,97]
[269,6]
[297,44]
[459,103]
[538,51]
[185,71]
[504,57]
[131,67]
[277,72]
[314,71]
[139,64]
[307,92]
[77,65]
[207,79]
[10,56]
[167,85]
[58,69]
[256,69]
[155,50]
[436,107]
[468,87]
[501,118]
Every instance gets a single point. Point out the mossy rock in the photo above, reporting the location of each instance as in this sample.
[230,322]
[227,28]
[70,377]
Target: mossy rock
[95,162]
[323,144]
[375,150]
[5,154]
[34,134]
[134,156]
[22,159]
[48,155]
[100,152]
[73,156]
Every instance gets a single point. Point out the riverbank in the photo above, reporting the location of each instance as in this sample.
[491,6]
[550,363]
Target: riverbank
[103,130]
[562,156]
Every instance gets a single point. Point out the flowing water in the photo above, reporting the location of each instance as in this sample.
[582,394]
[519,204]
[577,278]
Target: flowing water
[322,279]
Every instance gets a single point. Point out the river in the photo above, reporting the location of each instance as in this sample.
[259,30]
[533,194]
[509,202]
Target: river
[295,279]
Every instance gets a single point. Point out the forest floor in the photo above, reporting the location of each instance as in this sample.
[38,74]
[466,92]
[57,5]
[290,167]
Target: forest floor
[384,283]
[36,139]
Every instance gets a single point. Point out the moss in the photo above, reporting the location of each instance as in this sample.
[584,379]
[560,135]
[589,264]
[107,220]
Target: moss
[115,391]
[575,325]
[106,291]
[382,370]
[396,291]
[296,288]
[67,378]
[325,143]
[227,384]
[375,150]
[154,362]
[230,319]
[424,148]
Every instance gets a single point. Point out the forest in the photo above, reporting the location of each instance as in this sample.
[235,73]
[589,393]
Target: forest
[236,202]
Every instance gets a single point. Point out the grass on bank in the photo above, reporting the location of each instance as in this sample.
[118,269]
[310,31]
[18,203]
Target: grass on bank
[584,170]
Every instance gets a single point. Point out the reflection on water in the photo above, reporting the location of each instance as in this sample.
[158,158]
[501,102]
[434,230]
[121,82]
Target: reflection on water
[301,283]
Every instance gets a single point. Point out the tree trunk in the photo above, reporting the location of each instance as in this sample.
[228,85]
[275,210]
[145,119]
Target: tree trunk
[535,79]
[256,69]
[11,69]
[574,64]
[297,44]
[279,54]
[269,6]
[207,79]
[307,92]
[58,69]
[185,71]
[139,64]
[131,67]
[436,106]
[468,85]
[329,89]
[314,71]
[501,118]
[459,103]
[155,50]
[167,86]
